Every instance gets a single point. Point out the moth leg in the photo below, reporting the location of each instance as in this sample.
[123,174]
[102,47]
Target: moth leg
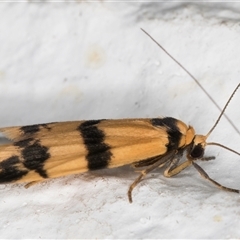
[173,164]
[145,162]
[205,175]
[143,174]
[208,158]
[162,160]
[139,171]
[31,183]
[174,169]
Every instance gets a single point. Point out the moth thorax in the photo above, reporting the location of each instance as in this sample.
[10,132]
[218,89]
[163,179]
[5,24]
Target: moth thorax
[198,147]
[190,134]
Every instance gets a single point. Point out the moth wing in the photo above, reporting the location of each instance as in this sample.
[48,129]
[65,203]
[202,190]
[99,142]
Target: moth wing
[57,149]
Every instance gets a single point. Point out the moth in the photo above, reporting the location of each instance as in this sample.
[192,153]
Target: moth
[42,151]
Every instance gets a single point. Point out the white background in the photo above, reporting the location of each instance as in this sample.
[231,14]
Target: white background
[74,61]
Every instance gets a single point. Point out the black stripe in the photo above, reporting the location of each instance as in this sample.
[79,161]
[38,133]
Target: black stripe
[174,135]
[10,170]
[23,143]
[34,156]
[99,153]
[31,129]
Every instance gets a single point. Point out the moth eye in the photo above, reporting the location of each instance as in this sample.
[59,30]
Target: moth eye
[197,151]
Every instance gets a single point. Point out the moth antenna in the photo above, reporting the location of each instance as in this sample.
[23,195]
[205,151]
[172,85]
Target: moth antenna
[221,114]
[196,81]
[222,146]
[217,121]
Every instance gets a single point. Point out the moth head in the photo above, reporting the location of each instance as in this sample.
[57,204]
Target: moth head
[198,146]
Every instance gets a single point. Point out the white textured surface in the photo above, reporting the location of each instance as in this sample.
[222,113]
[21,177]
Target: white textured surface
[73,61]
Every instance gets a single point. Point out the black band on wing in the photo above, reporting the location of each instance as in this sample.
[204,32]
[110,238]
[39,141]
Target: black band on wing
[99,153]
[10,171]
[174,135]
